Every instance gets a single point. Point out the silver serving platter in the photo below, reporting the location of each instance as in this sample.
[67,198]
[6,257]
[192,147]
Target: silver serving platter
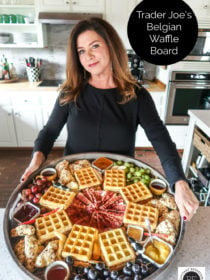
[8,223]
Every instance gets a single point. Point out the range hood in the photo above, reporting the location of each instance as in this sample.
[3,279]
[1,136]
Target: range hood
[64,18]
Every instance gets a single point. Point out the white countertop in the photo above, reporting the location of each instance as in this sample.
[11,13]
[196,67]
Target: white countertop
[194,251]
[201,119]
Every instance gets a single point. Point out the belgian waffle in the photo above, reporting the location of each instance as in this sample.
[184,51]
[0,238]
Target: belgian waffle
[135,214]
[57,198]
[47,226]
[79,243]
[135,192]
[87,178]
[115,248]
[114,179]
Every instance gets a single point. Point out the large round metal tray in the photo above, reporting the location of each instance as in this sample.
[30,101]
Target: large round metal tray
[7,223]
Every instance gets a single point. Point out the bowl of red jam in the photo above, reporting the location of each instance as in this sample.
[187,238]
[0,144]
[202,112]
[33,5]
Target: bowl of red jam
[26,212]
[58,270]
[49,173]
[157,186]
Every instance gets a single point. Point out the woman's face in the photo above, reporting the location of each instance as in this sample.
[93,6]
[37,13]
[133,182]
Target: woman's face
[93,53]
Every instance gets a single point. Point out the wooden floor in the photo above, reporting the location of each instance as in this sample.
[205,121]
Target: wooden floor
[14,162]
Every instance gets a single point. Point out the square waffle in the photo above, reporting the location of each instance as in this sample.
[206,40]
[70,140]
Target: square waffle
[135,192]
[114,179]
[47,226]
[57,198]
[87,178]
[79,243]
[135,214]
[115,247]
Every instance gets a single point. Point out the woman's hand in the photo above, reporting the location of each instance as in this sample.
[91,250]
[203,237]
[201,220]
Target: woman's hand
[185,200]
[36,162]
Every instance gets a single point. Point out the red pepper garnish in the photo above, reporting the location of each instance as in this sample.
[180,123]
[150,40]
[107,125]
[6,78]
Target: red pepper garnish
[51,212]
[28,222]
[157,234]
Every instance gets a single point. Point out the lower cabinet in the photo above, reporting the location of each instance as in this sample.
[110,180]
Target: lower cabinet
[23,115]
[7,128]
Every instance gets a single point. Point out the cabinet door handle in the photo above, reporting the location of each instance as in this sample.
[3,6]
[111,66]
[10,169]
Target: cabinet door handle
[17,114]
[205,6]
[9,114]
[74,2]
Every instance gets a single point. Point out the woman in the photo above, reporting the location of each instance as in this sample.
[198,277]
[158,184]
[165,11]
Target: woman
[102,105]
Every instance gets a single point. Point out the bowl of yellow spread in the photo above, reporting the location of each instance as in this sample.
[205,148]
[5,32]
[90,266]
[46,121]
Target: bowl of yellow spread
[158,251]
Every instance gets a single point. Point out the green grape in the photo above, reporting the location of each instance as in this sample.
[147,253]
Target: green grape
[129,175]
[119,162]
[137,173]
[132,170]
[127,164]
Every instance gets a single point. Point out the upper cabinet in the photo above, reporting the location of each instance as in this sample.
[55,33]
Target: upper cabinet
[74,6]
[19,26]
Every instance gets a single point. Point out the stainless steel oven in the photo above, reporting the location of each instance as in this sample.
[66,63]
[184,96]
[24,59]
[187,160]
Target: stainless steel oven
[201,50]
[186,90]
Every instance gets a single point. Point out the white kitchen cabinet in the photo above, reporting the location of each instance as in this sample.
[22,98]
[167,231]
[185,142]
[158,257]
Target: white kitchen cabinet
[141,138]
[117,13]
[27,117]
[28,33]
[74,6]
[7,129]
[47,103]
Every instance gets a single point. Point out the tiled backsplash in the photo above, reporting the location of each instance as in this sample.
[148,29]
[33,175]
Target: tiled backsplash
[54,56]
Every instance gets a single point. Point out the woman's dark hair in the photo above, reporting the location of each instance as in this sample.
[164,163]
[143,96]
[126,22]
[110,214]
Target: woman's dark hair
[75,79]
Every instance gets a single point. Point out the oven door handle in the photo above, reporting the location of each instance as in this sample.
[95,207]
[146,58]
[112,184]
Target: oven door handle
[190,85]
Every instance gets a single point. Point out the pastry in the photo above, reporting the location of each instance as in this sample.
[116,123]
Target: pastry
[135,192]
[166,227]
[79,164]
[48,255]
[114,179]
[135,214]
[19,250]
[168,200]
[57,198]
[79,243]
[22,230]
[47,226]
[115,248]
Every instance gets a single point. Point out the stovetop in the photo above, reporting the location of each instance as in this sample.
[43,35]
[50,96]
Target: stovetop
[50,83]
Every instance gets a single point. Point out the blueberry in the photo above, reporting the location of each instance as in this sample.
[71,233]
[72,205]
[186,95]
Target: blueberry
[100,266]
[136,268]
[77,277]
[108,278]
[79,270]
[127,270]
[69,261]
[127,278]
[114,274]
[120,277]
[137,277]
[129,264]
[86,269]
[106,273]
[144,269]
[92,274]
[151,268]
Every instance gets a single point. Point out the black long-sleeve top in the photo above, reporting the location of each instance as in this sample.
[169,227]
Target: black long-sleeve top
[99,123]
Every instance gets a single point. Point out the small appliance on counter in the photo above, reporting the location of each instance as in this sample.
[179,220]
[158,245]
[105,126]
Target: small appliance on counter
[136,65]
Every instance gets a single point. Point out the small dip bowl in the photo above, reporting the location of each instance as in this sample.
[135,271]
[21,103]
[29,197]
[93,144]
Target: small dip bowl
[102,163]
[157,253]
[26,212]
[157,186]
[135,232]
[49,173]
[58,270]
